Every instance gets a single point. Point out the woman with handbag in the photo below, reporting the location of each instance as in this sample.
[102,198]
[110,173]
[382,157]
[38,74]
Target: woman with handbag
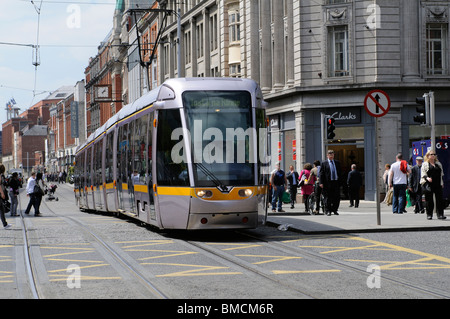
[432,184]
[3,197]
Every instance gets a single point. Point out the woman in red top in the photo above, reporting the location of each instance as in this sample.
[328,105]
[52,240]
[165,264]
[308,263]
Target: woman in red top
[308,186]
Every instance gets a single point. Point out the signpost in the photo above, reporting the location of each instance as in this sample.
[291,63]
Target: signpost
[377,104]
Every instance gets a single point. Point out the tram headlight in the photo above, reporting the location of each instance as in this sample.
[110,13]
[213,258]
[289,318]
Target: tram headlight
[204,193]
[245,192]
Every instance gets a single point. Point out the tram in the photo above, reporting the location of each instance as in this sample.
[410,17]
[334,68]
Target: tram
[191,154]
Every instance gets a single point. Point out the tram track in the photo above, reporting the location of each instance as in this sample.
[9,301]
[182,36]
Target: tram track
[431,291]
[114,254]
[33,285]
[230,259]
[250,268]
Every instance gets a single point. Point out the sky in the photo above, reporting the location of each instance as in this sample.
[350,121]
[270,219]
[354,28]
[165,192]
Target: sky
[69,33]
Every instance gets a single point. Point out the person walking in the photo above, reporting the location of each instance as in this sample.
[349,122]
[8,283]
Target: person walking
[31,194]
[398,180]
[3,197]
[432,173]
[414,187]
[40,182]
[292,177]
[329,175]
[354,182]
[14,185]
[308,186]
[317,190]
[279,182]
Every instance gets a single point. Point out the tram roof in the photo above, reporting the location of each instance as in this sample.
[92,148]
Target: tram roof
[177,84]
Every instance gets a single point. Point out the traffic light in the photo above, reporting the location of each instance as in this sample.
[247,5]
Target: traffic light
[422,109]
[330,128]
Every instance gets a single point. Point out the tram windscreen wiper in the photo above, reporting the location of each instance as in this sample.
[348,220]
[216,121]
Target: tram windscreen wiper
[219,184]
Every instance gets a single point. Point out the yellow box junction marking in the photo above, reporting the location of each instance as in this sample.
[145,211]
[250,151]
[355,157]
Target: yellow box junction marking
[424,262]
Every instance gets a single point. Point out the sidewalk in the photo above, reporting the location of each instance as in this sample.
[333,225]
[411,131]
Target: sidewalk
[356,220]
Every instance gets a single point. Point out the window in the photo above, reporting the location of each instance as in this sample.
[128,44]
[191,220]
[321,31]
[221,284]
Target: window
[187,47]
[109,157]
[235,70]
[336,1]
[199,35]
[235,27]
[220,123]
[213,32]
[338,48]
[139,150]
[88,167]
[436,49]
[169,173]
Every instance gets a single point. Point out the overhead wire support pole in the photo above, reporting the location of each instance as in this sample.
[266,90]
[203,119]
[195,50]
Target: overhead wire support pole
[166,12]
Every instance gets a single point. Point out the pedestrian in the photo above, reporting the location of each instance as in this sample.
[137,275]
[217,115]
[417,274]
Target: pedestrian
[34,200]
[292,177]
[329,176]
[354,182]
[4,197]
[398,181]
[279,182]
[308,185]
[387,170]
[14,185]
[432,174]
[317,190]
[415,190]
[40,182]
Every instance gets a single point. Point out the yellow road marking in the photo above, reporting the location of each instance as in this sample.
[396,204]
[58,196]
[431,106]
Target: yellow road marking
[172,253]
[284,272]
[275,258]
[83,278]
[234,246]
[193,272]
[83,267]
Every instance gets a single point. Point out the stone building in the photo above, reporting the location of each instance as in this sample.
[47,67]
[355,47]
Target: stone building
[323,56]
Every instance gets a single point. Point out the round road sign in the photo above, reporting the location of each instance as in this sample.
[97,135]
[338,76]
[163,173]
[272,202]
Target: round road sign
[377,103]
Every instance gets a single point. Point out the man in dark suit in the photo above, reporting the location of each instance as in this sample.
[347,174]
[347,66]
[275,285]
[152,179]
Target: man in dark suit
[292,177]
[354,182]
[414,186]
[329,176]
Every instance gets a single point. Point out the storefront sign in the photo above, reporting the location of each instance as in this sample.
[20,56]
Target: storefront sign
[345,116]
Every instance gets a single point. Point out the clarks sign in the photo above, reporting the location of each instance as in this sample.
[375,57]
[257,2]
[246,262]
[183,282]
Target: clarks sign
[346,116]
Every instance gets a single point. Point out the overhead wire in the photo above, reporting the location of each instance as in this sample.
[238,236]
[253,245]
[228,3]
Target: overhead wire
[36,54]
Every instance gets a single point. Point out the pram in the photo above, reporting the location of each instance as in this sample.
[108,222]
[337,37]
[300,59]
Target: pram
[51,192]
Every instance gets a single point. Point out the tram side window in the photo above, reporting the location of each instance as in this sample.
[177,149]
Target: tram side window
[149,148]
[169,173]
[98,163]
[139,145]
[122,149]
[88,167]
[109,157]
[81,171]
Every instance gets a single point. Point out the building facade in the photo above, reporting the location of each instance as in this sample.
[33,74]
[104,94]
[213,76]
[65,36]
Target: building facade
[323,56]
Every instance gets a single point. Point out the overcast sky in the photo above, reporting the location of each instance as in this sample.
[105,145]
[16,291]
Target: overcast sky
[69,34]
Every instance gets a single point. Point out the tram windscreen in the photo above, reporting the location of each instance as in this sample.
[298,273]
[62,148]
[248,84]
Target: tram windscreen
[220,126]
